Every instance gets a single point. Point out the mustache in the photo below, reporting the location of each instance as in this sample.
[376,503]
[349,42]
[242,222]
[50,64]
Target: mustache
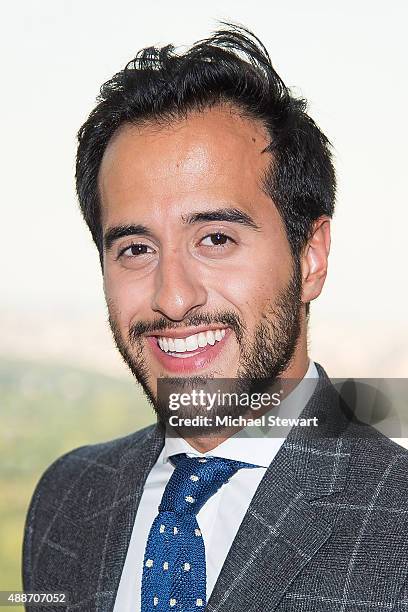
[227,317]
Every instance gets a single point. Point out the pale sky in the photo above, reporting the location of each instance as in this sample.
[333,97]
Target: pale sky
[348,58]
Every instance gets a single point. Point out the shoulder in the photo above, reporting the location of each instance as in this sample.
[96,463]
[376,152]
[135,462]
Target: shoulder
[106,456]
[373,454]
[374,466]
[79,481]
[381,459]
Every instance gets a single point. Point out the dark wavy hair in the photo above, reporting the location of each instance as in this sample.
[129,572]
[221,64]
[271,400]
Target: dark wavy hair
[230,67]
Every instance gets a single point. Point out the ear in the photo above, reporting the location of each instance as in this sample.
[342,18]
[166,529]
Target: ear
[314,259]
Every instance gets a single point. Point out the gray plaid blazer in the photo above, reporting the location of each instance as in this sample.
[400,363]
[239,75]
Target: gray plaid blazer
[327,529]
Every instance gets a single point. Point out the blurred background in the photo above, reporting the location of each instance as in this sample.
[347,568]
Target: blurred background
[62,383]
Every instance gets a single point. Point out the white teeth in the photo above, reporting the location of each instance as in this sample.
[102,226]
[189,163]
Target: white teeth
[202,339]
[180,345]
[191,343]
[210,338]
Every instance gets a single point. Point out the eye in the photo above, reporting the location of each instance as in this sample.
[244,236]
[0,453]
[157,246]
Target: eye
[216,239]
[136,249]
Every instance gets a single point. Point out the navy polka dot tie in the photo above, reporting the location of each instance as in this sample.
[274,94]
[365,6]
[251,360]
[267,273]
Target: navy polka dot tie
[174,572]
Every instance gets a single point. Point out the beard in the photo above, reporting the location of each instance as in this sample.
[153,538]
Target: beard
[261,360]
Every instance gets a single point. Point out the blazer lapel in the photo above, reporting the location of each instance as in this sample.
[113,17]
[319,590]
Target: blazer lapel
[135,466]
[282,531]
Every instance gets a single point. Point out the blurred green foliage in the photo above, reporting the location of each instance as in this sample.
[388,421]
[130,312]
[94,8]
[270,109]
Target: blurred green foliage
[47,410]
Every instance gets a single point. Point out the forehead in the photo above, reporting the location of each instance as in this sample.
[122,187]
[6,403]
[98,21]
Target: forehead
[209,157]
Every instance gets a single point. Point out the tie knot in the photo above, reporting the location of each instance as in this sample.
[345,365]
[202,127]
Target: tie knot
[195,480]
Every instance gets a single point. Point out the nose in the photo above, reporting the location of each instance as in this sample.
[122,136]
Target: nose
[178,288]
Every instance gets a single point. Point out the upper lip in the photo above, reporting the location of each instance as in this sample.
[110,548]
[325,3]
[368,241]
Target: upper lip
[185,331]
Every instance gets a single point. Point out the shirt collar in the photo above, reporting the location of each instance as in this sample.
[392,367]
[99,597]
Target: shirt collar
[256,448]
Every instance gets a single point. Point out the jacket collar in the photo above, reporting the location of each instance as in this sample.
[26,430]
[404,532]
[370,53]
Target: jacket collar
[282,531]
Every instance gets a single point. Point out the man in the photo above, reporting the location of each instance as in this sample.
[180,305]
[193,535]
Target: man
[209,191]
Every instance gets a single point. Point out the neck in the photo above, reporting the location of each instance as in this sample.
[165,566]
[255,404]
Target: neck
[294,373]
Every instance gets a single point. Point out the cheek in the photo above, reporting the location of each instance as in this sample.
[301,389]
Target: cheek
[126,299]
[252,285]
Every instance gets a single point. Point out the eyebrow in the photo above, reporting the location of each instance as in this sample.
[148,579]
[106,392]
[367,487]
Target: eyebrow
[231,215]
[120,231]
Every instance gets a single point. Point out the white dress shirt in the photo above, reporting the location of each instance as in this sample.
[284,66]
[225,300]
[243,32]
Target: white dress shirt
[219,519]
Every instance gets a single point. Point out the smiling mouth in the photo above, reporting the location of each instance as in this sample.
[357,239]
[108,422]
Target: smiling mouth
[191,345]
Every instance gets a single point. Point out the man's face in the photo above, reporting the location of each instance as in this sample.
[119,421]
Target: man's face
[198,272]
